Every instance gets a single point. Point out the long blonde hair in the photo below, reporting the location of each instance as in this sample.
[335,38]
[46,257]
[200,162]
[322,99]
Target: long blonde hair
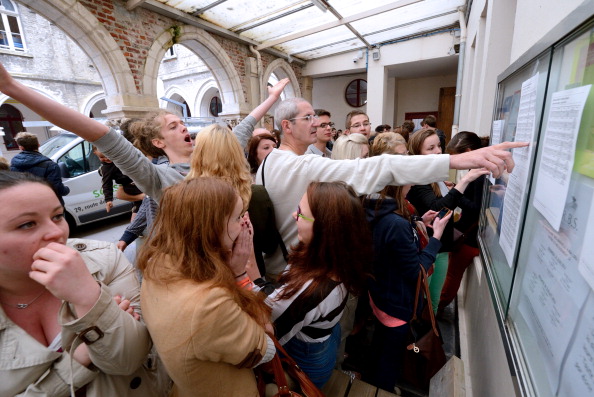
[186,242]
[348,147]
[218,154]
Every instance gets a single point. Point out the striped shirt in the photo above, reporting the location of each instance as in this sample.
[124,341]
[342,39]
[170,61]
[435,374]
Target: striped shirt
[309,319]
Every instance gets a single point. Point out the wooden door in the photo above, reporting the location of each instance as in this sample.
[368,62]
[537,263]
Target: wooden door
[445,113]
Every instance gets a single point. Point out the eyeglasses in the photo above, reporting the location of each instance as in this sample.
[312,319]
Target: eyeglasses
[324,125]
[309,118]
[300,215]
[358,125]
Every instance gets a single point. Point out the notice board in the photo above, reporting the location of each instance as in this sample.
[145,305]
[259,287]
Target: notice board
[537,226]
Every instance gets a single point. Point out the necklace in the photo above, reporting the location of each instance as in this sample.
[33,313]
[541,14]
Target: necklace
[25,305]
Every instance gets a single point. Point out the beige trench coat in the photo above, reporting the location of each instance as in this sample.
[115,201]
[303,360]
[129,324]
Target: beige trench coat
[122,363]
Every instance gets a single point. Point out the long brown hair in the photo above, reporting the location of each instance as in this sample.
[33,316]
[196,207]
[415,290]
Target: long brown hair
[186,240]
[415,143]
[217,153]
[340,246]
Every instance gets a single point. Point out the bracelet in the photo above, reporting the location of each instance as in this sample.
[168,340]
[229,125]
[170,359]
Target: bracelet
[245,283]
[241,275]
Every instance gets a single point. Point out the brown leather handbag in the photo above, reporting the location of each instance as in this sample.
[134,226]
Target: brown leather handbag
[280,367]
[424,356]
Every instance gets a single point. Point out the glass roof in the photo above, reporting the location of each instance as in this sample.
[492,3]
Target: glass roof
[310,29]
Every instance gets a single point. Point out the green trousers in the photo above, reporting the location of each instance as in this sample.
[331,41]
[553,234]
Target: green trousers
[438,277]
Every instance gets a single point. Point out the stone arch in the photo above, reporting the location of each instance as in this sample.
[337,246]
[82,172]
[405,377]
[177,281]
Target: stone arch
[205,94]
[212,54]
[82,26]
[177,94]
[281,69]
[90,102]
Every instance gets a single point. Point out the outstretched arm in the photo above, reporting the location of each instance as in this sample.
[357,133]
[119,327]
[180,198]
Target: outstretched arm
[494,158]
[51,110]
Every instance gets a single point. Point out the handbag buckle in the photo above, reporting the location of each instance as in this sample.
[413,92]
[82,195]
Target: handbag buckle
[413,347]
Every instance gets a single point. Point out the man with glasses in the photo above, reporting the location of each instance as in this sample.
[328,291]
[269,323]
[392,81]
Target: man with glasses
[323,135]
[357,122]
[286,172]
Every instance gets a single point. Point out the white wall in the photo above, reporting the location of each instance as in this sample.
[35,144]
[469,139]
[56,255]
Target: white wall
[533,20]
[328,93]
[420,95]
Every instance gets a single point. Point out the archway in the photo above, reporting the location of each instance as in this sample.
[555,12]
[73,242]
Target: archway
[98,44]
[207,92]
[95,105]
[281,69]
[214,57]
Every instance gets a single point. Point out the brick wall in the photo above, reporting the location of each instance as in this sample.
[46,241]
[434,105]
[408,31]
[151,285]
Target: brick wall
[135,32]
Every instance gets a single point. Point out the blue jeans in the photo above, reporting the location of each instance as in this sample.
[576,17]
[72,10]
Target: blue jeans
[317,360]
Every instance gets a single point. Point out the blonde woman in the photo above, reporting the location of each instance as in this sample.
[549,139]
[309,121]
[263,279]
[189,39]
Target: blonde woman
[350,146]
[388,142]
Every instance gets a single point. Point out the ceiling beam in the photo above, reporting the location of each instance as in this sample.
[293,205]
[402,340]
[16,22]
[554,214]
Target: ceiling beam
[274,18]
[132,4]
[208,7]
[188,19]
[339,22]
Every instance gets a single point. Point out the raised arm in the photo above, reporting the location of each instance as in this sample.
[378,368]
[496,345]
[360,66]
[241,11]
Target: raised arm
[274,94]
[244,130]
[51,110]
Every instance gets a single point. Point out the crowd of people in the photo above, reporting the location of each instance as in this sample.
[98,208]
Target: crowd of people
[241,249]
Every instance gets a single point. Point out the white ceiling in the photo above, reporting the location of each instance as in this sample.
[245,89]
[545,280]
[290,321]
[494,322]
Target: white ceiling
[311,29]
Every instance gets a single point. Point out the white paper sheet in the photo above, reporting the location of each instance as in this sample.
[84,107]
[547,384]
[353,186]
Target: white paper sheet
[586,262]
[577,376]
[497,131]
[516,185]
[496,138]
[558,152]
[553,293]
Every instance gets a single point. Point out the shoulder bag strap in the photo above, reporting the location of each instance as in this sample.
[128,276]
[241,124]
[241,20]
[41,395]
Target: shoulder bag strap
[279,238]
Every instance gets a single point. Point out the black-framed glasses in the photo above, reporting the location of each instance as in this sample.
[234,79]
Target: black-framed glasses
[310,118]
[324,125]
[300,215]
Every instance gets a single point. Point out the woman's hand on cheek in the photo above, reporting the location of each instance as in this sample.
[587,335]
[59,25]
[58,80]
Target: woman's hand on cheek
[63,272]
[241,251]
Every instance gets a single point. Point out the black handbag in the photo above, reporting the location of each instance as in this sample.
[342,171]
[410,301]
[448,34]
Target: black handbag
[424,355]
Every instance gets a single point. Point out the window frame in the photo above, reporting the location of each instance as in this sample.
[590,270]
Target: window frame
[4,15]
[360,101]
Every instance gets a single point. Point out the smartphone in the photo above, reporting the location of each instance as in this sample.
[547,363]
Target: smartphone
[443,212]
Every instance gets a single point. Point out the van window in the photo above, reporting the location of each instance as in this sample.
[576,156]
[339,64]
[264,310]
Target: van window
[56,143]
[78,161]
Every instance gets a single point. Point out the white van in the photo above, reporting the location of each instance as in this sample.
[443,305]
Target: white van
[78,164]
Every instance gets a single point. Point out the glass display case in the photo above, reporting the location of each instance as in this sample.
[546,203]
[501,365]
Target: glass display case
[537,227]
